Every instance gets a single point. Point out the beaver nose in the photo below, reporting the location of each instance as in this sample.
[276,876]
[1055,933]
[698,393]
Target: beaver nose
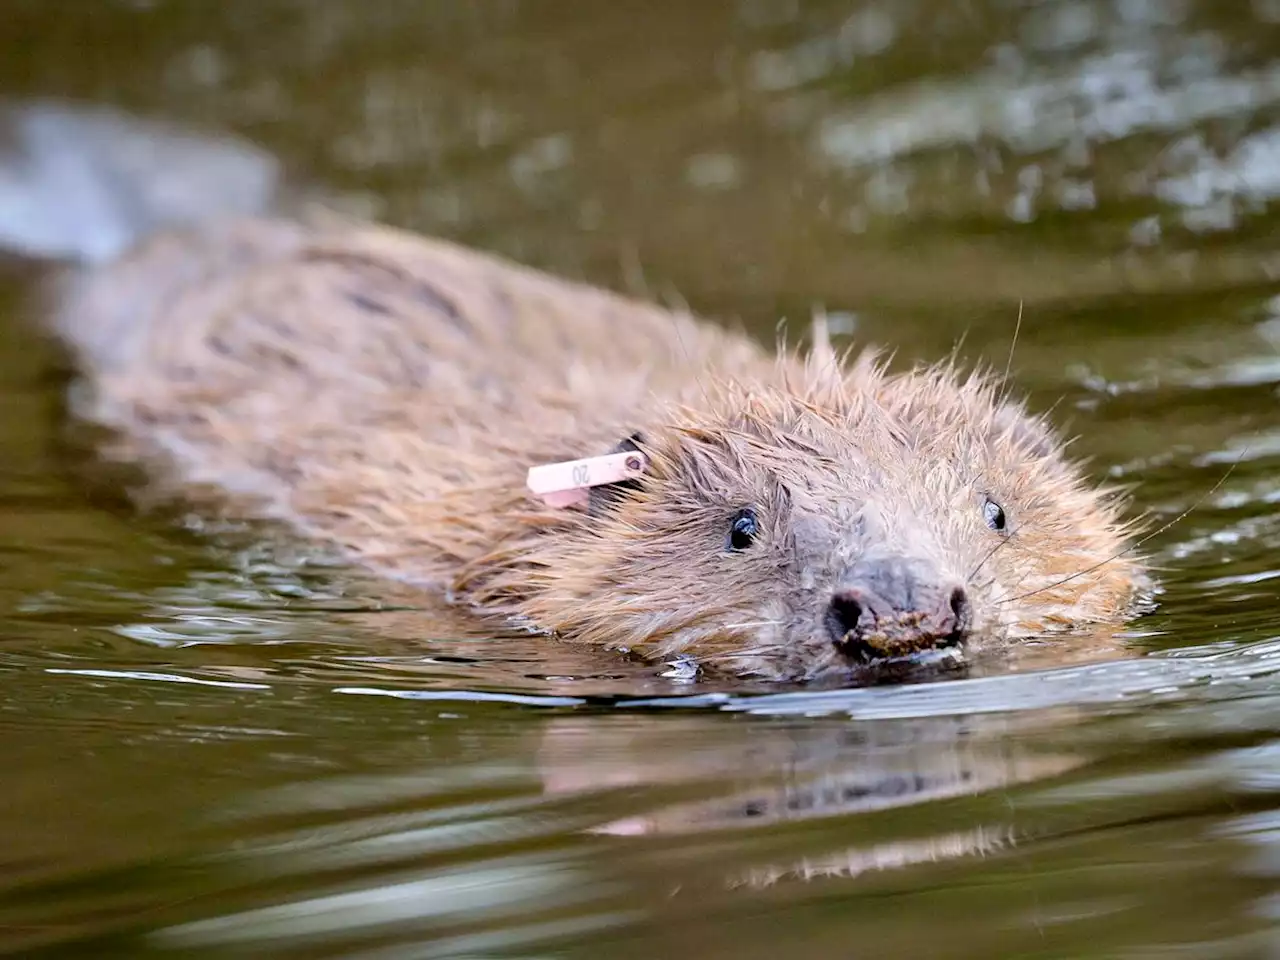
[894,607]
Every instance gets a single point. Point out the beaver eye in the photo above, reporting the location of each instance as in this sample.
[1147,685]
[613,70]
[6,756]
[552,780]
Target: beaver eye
[993,513]
[743,529]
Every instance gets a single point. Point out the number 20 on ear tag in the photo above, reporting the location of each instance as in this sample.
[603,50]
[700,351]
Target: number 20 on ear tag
[564,484]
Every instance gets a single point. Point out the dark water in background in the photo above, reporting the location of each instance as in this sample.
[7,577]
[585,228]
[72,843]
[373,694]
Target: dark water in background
[208,750]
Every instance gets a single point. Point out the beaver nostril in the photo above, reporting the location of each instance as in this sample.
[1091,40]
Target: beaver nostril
[891,611]
[843,615]
[958,622]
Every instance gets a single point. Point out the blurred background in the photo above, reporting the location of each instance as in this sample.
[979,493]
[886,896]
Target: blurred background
[216,747]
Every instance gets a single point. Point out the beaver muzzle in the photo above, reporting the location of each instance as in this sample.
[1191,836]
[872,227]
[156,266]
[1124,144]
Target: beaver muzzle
[895,607]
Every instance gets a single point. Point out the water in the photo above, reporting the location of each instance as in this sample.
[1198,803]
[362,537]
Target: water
[215,748]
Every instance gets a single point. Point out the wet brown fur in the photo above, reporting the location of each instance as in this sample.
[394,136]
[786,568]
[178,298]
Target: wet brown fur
[384,394]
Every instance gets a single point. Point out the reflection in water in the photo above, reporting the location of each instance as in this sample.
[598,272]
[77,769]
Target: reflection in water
[780,778]
[592,770]
[626,818]
[500,893]
[854,862]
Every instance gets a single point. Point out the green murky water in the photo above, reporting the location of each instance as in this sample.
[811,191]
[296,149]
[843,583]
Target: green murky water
[208,751]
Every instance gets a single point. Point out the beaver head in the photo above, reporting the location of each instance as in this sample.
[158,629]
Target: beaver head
[788,529]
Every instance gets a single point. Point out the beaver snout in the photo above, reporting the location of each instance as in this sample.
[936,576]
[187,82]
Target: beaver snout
[895,607]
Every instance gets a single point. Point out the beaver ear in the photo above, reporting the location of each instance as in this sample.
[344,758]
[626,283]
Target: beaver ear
[609,495]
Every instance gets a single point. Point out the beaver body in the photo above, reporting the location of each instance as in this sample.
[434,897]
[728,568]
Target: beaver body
[385,394]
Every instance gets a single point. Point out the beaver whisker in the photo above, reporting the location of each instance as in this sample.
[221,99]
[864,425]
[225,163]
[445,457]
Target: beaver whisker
[755,623]
[990,553]
[1137,545]
[985,584]
[1016,584]
[1013,344]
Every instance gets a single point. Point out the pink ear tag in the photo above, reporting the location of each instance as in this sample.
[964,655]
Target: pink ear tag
[569,483]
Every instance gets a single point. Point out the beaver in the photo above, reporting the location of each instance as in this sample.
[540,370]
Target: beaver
[799,513]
